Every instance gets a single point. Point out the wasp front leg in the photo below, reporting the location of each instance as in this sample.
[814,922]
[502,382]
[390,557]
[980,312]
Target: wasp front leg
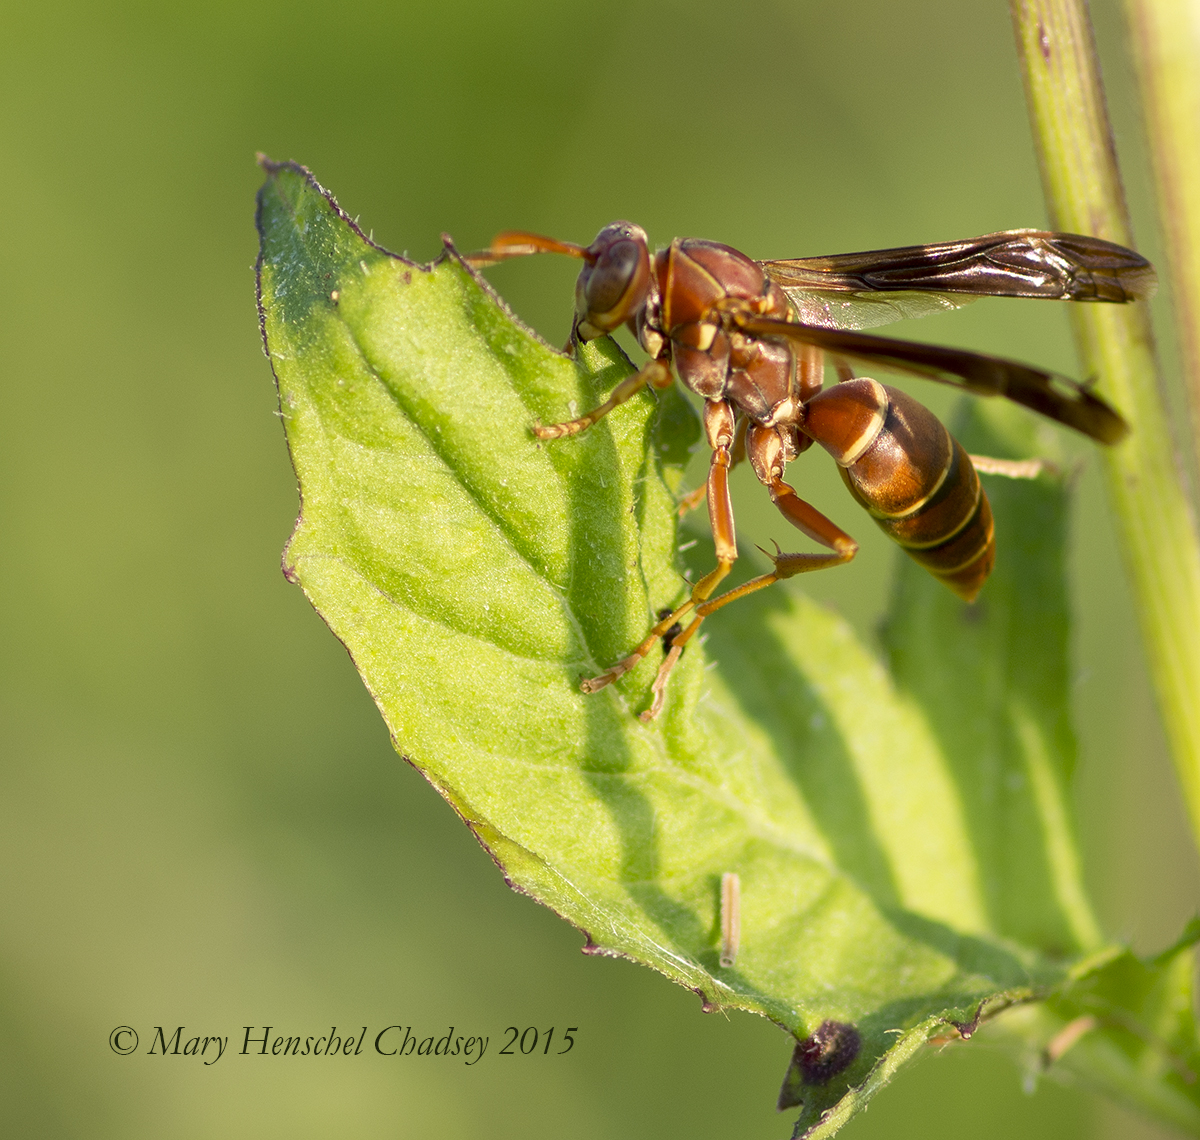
[720,429]
[657,374]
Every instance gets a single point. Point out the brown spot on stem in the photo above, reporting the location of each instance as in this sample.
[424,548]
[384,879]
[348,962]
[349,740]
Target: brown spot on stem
[1044,41]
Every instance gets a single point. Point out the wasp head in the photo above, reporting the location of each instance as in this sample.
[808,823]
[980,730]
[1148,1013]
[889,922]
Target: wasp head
[615,280]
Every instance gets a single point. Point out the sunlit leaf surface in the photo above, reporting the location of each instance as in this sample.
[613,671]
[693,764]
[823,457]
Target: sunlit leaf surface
[904,846]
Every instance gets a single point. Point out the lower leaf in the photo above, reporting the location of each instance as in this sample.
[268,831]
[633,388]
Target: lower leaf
[475,575]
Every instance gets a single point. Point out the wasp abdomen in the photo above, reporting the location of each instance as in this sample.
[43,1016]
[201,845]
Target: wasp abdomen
[918,484]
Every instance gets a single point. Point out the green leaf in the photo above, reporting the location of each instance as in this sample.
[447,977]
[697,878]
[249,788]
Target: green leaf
[1125,1026]
[993,681]
[475,575]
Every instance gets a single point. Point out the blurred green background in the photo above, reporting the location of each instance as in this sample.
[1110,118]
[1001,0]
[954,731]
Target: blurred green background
[203,823]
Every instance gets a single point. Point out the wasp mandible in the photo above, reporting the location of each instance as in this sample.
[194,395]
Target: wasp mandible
[751,338]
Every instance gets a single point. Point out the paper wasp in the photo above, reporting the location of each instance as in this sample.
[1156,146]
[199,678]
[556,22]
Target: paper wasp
[751,337]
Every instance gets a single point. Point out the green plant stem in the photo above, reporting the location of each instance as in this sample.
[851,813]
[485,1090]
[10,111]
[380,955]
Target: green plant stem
[1155,522]
[1166,37]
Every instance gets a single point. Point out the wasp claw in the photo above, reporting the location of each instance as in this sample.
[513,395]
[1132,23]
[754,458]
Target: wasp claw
[773,557]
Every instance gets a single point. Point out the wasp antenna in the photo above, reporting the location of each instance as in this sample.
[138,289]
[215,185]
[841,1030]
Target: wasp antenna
[517,243]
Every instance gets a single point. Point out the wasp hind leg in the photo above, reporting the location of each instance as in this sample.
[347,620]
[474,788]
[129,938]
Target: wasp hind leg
[765,451]
[800,514]
[1012,468]
[804,517]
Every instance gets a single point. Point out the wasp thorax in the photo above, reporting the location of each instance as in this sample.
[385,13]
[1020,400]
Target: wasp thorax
[614,282]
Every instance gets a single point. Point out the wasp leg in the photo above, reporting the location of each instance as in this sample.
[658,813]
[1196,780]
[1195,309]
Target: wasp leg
[657,374]
[800,514]
[766,455]
[719,426]
[1011,468]
[817,527]
[737,453]
[659,688]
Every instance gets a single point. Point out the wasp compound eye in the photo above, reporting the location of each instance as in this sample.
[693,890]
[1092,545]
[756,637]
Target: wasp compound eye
[611,276]
[613,284]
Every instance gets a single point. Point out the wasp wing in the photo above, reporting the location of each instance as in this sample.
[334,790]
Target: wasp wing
[838,310]
[843,291]
[1052,395]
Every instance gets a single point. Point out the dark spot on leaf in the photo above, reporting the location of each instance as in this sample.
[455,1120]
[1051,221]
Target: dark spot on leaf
[671,633]
[817,1059]
[966,1029]
[827,1051]
[706,1006]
